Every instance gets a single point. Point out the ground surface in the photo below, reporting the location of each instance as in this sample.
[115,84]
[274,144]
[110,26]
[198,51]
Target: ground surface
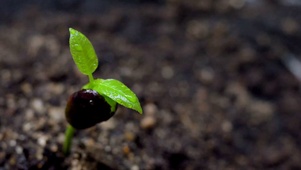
[210,76]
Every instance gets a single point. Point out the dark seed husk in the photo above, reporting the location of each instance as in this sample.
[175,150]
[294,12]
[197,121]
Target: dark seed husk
[86,108]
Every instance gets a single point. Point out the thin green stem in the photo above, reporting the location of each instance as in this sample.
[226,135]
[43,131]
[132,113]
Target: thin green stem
[68,139]
[91,78]
[70,130]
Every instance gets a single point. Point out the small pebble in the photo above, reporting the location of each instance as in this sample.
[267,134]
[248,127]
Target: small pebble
[39,154]
[261,111]
[227,126]
[108,148]
[167,72]
[27,127]
[61,137]
[12,161]
[54,148]
[126,71]
[129,136]
[12,143]
[89,142]
[148,122]
[56,88]
[74,163]
[237,4]
[197,29]
[29,114]
[34,44]
[116,151]
[19,150]
[126,150]
[11,102]
[38,105]
[130,126]
[6,75]
[42,140]
[135,167]
[21,137]
[206,75]
[26,88]
[56,113]
[150,109]
[108,125]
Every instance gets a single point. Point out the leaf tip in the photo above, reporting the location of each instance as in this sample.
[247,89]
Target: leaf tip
[71,30]
[139,110]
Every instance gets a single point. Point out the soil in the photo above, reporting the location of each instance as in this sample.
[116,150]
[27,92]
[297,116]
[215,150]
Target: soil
[211,77]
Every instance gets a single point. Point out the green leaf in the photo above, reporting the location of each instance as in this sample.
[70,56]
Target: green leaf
[116,91]
[111,102]
[82,52]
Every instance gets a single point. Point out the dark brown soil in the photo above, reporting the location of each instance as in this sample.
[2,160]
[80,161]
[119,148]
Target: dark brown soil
[210,75]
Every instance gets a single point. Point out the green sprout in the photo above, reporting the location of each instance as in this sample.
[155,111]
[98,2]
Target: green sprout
[97,100]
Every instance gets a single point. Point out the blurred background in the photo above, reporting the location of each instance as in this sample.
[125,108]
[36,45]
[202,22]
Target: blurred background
[218,80]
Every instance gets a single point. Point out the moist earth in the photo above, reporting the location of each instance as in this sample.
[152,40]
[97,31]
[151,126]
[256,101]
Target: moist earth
[211,77]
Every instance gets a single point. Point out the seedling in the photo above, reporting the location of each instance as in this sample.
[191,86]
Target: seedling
[98,99]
